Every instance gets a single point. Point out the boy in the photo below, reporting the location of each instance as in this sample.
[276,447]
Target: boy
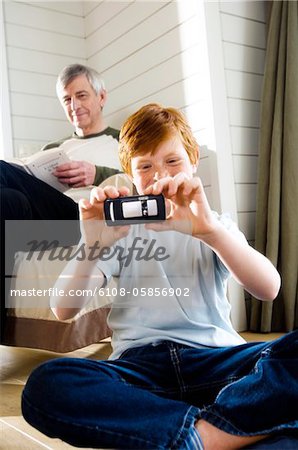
[180,377]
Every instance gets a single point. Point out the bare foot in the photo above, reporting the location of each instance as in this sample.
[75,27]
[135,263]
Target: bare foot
[215,439]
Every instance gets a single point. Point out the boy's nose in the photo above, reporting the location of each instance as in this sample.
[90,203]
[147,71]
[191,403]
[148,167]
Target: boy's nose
[161,173]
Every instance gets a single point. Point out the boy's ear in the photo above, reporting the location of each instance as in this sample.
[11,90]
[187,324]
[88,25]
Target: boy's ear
[196,164]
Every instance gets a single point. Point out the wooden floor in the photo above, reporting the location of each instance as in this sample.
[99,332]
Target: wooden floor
[16,365]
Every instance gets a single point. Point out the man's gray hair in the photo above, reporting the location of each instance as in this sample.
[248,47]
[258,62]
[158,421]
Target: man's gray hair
[74,70]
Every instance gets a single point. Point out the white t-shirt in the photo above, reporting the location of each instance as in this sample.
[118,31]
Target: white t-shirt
[171,286]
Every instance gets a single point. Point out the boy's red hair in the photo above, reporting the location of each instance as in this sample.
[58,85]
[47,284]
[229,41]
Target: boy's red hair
[151,125]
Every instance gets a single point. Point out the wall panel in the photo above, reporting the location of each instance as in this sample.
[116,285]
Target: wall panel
[243,31]
[153,54]
[26,105]
[131,16]
[242,85]
[244,47]
[70,8]
[30,60]
[41,38]
[164,20]
[245,140]
[246,9]
[42,129]
[49,42]
[32,83]
[100,13]
[41,18]
[242,58]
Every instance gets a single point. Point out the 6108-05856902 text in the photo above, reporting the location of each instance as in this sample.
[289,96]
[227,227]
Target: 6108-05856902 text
[144,292]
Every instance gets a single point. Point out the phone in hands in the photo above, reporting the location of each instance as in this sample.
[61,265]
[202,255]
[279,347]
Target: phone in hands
[134,209]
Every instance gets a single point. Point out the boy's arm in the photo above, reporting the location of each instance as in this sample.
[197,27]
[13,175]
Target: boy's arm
[81,273]
[187,202]
[250,268]
[75,286]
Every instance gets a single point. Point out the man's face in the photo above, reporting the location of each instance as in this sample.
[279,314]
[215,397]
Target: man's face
[169,158]
[83,106]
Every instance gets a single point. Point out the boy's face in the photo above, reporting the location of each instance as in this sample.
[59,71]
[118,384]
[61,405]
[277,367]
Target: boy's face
[169,158]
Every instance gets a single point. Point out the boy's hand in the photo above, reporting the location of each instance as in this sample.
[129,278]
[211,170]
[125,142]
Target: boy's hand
[93,226]
[188,209]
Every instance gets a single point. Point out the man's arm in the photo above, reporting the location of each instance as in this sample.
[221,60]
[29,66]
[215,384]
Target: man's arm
[102,173]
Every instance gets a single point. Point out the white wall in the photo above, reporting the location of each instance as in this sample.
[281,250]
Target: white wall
[139,52]
[41,38]
[243,30]
[5,116]
[152,51]
[236,48]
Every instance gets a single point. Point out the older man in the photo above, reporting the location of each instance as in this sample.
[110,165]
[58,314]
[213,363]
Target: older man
[25,197]
[83,96]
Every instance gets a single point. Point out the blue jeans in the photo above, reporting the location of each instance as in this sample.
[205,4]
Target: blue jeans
[151,397]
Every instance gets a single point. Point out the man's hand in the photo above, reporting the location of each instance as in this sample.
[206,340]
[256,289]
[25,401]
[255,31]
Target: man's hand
[76,173]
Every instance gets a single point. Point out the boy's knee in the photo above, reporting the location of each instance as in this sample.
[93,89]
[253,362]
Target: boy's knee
[44,384]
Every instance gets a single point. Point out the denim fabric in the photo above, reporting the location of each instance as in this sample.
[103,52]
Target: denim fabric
[151,397]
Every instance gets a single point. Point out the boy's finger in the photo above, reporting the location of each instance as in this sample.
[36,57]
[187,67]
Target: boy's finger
[97,195]
[111,191]
[124,191]
[163,185]
[84,203]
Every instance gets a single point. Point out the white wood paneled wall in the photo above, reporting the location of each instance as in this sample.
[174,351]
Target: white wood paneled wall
[243,29]
[153,51]
[139,51]
[41,38]
[236,47]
